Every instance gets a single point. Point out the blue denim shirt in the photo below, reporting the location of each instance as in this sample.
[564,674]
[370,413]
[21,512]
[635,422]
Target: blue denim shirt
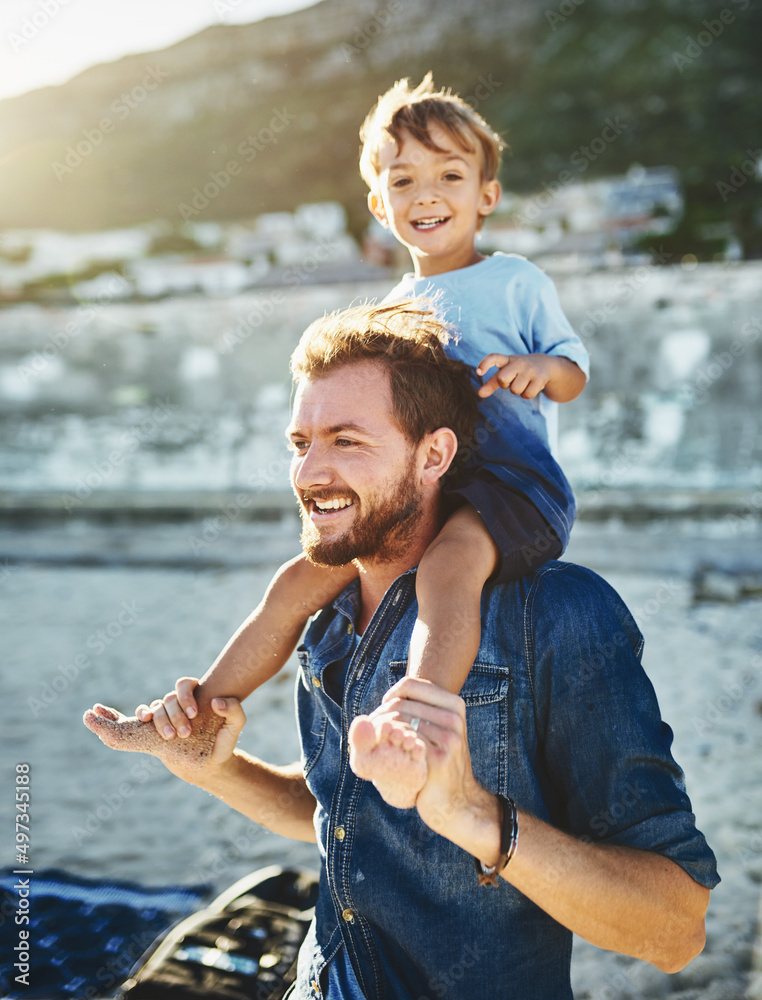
[560,716]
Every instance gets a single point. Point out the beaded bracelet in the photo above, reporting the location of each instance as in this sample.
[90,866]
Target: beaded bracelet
[509,838]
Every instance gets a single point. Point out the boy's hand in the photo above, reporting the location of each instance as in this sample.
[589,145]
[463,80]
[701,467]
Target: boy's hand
[525,375]
[172,714]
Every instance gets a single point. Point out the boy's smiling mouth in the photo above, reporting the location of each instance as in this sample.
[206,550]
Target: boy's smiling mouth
[430,223]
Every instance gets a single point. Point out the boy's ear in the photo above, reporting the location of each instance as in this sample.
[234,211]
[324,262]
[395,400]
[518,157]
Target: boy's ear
[376,207]
[490,197]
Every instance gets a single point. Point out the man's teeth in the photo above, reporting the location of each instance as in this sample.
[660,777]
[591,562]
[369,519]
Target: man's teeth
[428,223]
[332,504]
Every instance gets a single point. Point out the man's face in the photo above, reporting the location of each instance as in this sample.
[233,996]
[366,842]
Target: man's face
[353,471]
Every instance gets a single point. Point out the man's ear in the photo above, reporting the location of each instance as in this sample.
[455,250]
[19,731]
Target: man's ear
[440,448]
[376,207]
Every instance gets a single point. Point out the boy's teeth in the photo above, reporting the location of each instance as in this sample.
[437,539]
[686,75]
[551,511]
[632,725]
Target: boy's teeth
[428,223]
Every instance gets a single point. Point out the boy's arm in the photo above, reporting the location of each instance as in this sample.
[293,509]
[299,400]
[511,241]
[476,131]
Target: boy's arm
[275,797]
[527,375]
[258,649]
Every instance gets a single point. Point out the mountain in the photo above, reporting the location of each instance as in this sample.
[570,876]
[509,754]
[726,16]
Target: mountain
[263,117]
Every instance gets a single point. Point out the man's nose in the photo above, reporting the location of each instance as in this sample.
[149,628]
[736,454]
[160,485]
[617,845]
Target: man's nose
[312,469]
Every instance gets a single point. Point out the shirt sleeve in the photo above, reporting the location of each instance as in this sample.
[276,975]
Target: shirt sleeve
[605,749]
[550,330]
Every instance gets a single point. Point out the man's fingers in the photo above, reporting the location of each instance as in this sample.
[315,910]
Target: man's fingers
[418,689]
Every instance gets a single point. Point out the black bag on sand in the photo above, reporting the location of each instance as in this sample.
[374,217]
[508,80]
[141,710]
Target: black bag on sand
[244,945]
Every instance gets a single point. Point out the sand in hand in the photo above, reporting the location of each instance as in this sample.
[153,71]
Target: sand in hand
[121,732]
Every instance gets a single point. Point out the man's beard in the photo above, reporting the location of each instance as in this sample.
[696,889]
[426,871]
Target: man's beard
[382,533]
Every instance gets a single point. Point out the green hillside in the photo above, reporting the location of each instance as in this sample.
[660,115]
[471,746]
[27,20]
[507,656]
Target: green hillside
[275,108]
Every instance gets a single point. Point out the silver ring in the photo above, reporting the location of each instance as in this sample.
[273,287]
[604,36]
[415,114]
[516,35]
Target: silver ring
[414,724]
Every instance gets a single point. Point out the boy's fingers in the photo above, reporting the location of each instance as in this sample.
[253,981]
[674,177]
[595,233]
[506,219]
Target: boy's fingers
[177,717]
[184,689]
[161,722]
[492,361]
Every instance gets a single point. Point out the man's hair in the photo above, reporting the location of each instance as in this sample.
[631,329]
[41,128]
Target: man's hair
[429,389]
[401,109]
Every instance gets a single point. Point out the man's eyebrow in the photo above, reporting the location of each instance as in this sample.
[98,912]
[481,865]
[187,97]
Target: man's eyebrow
[347,425]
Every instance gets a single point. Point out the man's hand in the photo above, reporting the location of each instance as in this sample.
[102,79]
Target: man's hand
[211,744]
[527,375]
[451,802]
[173,714]
[231,711]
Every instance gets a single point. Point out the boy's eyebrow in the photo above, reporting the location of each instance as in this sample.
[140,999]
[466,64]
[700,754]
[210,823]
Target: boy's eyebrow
[405,164]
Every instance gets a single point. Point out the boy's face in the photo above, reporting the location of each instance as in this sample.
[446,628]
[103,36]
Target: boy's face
[431,201]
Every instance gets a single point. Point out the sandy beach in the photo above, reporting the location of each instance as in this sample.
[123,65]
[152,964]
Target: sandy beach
[122,633]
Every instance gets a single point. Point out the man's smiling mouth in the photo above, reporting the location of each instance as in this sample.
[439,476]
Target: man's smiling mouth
[337,504]
[325,506]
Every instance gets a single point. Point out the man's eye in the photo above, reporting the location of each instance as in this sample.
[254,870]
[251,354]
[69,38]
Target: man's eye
[298,446]
[344,442]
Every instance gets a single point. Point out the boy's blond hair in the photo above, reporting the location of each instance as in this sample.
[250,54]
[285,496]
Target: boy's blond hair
[401,109]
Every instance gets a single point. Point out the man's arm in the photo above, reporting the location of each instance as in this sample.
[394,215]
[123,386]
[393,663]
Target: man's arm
[276,797]
[635,902]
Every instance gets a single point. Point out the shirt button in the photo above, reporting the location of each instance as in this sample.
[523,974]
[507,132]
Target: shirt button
[316,682]
[348,916]
[340,833]
[350,629]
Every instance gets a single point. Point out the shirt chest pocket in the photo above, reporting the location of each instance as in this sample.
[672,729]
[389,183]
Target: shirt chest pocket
[311,716]
[486,696]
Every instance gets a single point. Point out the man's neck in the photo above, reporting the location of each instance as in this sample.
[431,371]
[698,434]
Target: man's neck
[377,576]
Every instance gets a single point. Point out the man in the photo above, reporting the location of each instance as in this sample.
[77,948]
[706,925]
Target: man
[552,768]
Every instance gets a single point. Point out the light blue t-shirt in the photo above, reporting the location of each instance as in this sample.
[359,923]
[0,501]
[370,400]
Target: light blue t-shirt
[507,305]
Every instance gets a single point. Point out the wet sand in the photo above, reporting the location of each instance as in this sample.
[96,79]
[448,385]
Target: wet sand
[79,634]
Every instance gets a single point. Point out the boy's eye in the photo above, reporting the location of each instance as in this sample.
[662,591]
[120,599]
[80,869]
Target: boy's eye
[452,175]
[400,182]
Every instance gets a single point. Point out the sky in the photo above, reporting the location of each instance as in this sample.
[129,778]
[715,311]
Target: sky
[45,42]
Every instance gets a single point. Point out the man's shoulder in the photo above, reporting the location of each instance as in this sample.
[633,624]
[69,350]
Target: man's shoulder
[558,585]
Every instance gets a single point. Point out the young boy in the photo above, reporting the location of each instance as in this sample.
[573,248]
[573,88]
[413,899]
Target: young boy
[431,164]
